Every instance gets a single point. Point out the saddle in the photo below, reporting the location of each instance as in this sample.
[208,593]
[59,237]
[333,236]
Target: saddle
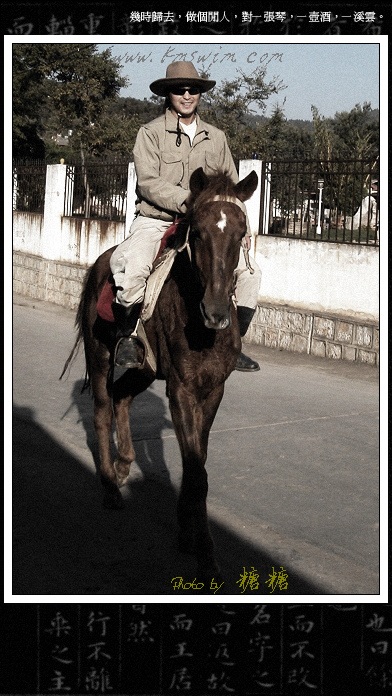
[160,272]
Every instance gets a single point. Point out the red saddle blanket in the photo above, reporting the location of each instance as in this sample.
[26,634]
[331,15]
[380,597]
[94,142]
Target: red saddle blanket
[108,292]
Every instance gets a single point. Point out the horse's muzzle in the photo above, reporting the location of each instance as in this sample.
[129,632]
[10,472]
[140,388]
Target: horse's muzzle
[214,318]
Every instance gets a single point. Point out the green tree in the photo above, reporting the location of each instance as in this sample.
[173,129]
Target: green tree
[29,95]
[284,140]
[349,135]
[230,107]
[324,138]
[121,121]
[357,133]
[68,86]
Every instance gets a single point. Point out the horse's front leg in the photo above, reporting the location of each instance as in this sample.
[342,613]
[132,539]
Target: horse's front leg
[192,419]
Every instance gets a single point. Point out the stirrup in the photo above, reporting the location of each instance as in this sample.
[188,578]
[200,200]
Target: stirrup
[127,353]
[134,351]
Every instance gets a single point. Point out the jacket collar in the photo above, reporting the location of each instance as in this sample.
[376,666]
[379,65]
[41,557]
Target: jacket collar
[171,123]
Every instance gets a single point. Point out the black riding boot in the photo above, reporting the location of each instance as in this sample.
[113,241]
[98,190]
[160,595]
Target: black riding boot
[128,352]
[244,363]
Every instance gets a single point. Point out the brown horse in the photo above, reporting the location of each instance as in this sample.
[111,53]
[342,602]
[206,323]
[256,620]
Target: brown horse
[194,335]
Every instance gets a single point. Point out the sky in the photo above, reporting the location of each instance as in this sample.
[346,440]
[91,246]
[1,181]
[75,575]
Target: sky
[333,76]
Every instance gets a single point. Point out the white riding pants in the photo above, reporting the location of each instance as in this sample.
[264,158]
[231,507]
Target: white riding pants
[131,265]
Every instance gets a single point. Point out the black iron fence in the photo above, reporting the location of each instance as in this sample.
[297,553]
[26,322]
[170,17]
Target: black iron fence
[28,185]
[329,201]
[97,190]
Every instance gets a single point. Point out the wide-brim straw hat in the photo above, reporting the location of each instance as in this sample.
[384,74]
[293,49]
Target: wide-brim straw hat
[180,73]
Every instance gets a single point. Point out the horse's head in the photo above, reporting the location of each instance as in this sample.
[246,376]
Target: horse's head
[218,224]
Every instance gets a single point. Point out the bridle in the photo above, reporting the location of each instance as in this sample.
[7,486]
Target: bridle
[230,199]
[239,204]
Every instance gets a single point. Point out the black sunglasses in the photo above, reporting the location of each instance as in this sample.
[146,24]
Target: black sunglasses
[180,91]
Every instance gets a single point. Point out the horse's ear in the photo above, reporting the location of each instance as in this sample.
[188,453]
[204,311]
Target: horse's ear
[245,188]
[198,180]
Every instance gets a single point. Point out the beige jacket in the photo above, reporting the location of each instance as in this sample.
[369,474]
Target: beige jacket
[163,170]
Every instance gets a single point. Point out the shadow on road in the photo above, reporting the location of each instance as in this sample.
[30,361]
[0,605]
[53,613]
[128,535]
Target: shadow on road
[66,543]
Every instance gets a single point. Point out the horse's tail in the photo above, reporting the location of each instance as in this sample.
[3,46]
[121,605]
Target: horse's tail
[81,331]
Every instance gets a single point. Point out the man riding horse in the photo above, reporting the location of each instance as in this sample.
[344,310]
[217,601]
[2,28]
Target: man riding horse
[167,151]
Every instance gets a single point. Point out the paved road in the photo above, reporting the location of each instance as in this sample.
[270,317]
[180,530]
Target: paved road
[293,474]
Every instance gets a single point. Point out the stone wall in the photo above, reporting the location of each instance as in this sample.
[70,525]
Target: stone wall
[54,281]
[280,327]
[317,333]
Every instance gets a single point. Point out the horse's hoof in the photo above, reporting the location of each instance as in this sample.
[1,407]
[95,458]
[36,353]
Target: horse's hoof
[113,500]
[122,473]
